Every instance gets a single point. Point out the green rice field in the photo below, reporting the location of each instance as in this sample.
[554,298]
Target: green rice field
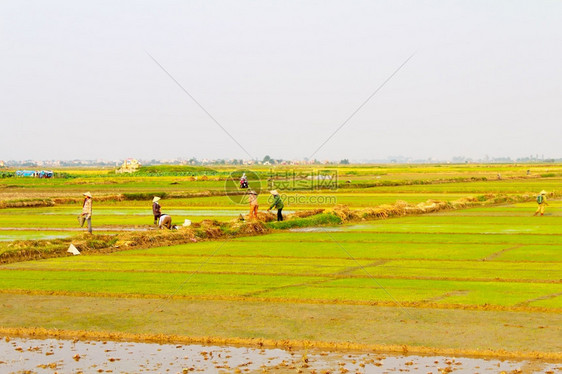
[414,272]
[443,258]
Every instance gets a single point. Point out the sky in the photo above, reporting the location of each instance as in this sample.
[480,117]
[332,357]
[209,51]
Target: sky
[245,79]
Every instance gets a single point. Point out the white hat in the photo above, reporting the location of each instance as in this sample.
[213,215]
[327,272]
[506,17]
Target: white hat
[543,192]
[87,194]
[274,192]
[252,192]
[156,198]
[72,249]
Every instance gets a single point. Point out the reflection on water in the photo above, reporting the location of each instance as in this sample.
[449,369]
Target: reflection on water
[47,356]
[33,236]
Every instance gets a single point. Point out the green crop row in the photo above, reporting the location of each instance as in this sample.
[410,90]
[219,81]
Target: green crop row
[343,265]
[371,262]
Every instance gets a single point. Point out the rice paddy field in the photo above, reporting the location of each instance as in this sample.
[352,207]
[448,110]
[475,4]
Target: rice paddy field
[483,281]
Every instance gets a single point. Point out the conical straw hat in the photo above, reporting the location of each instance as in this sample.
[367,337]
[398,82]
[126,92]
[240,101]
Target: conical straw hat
[72,249]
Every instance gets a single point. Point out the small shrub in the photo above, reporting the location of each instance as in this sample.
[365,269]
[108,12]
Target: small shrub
[317,220]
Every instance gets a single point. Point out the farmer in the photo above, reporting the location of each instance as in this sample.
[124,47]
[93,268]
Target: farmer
[156,209]
[541,200]
[278,204]
[86,214]
[165,221]
[253,199]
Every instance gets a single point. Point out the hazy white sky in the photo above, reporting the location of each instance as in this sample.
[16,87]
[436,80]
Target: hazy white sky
[280,76]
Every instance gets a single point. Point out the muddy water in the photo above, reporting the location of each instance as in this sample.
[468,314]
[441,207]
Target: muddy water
[7,237]
[47,233]
[64,356]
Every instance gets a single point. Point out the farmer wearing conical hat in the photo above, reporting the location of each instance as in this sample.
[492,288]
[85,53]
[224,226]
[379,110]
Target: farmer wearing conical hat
[278,204]
[541,200]
[86,215]
[156,209]
[253,199]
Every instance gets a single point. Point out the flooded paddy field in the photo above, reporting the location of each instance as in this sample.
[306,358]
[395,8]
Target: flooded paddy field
[8,235]
[22,355]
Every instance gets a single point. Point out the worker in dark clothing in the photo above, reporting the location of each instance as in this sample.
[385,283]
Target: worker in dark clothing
[156,209]
[278,204]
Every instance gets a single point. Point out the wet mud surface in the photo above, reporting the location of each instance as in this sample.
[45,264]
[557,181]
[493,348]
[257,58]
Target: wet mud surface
[22,355]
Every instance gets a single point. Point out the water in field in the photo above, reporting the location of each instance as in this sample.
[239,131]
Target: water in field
[148,212]
[10,234]
[47,356]
[7,236]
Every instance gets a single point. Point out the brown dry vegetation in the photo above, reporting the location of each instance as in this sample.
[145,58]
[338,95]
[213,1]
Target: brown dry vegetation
[402,208]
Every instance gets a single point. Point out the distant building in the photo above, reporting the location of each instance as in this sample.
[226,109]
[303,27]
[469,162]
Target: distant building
[130,165]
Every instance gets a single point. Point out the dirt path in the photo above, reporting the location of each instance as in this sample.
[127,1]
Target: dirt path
[499,253]
[545,297]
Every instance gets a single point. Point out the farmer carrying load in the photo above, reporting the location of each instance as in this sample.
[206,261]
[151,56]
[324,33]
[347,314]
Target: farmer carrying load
[156,209]
[541,200]
[253,199]
[86,215]
[278,204]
